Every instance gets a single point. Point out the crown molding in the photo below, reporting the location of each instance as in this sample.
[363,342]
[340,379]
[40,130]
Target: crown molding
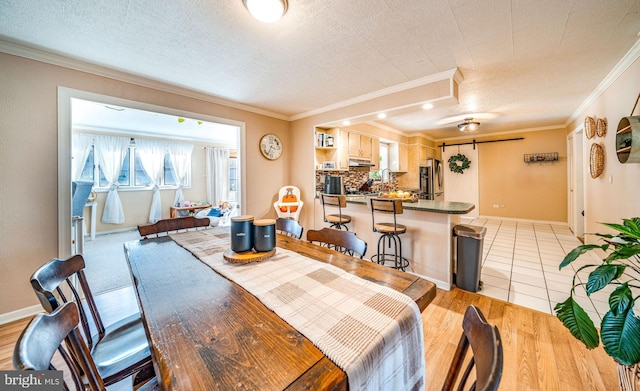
[423,135]
[99,70]
[451,74]
[625,62]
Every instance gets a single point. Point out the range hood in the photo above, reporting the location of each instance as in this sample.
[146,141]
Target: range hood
[360,163]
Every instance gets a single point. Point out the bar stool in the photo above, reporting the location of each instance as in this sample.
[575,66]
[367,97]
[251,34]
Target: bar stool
[335,201]
[390,233]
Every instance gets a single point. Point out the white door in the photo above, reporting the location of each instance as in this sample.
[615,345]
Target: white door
[575,176]
[570,183]
[462,187]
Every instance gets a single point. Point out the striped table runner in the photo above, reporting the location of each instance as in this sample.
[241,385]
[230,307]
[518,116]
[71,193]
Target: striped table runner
[372,332]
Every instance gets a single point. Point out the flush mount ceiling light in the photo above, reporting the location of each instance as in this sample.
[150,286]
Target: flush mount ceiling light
[469,125]
[267,11]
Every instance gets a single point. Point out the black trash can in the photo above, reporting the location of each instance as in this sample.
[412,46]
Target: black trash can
[470,239]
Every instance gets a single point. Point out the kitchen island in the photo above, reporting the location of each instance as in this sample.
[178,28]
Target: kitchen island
[428,241]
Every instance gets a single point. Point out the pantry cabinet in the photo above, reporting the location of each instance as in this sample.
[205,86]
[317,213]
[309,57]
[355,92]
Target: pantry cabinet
[417,156]
[423,155]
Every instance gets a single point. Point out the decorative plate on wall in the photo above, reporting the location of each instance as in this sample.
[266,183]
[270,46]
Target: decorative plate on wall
[601,127]
[589,127]
[596,160]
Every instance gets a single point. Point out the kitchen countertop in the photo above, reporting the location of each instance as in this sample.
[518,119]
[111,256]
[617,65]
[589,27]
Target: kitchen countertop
[445,207]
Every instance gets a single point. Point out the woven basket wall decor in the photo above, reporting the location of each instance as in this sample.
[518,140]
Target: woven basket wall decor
[589,127]
[601,127]
[596,160]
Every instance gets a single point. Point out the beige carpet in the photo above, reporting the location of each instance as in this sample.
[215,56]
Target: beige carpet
[106,265]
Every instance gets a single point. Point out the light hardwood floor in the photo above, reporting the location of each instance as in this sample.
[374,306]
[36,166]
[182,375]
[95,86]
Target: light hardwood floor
[539,353]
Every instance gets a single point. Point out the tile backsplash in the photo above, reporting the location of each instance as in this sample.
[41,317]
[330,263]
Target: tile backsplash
[354,178]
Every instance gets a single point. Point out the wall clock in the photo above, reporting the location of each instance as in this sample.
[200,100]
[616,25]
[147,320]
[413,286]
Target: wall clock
[271,146]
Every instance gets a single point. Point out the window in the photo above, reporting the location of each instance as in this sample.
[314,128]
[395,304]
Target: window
[131,172]
[384,164]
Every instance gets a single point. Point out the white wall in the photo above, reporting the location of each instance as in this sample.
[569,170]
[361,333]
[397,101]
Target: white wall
[614,194]
[29,170]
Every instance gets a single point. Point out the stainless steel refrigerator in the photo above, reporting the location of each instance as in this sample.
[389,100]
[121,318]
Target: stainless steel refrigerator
[432,180]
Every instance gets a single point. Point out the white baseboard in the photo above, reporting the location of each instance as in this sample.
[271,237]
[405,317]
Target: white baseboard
[117,231]
[20,314]
[439,284]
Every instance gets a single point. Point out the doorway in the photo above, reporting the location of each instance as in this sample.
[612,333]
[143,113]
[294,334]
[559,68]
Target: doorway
[65,121]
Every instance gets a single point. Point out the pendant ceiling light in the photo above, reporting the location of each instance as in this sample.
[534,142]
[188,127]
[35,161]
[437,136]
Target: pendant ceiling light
[469,125]
[267,11]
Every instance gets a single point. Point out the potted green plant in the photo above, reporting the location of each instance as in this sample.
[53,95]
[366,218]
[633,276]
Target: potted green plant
[620,326]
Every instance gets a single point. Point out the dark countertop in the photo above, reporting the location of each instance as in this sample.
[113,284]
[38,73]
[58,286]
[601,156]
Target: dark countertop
[424,205]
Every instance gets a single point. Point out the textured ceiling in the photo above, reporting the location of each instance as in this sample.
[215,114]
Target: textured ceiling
[525,64]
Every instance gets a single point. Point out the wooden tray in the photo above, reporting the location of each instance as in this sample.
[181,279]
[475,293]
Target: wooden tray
[247,257]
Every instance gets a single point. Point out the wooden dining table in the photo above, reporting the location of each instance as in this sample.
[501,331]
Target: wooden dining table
[208,333]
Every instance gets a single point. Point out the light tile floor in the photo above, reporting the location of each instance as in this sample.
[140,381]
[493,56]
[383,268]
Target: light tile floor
[520,265]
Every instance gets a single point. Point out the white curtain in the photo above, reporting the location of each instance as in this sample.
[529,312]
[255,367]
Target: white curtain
[217,175]
[181,160]
[80,148]
[151,153]
[111,151]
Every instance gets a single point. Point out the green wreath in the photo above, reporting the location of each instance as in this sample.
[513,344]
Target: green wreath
[458,163]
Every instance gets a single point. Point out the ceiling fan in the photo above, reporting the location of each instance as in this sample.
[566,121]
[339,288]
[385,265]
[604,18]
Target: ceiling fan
[469,122]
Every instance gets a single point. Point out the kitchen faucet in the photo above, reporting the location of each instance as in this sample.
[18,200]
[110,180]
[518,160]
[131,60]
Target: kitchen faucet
[388,178]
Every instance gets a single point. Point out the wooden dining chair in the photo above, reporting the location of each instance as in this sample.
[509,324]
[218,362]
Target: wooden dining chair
[289,227]
[166,226]
[486,356]
[58,331]
[120,349]
[343,241]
